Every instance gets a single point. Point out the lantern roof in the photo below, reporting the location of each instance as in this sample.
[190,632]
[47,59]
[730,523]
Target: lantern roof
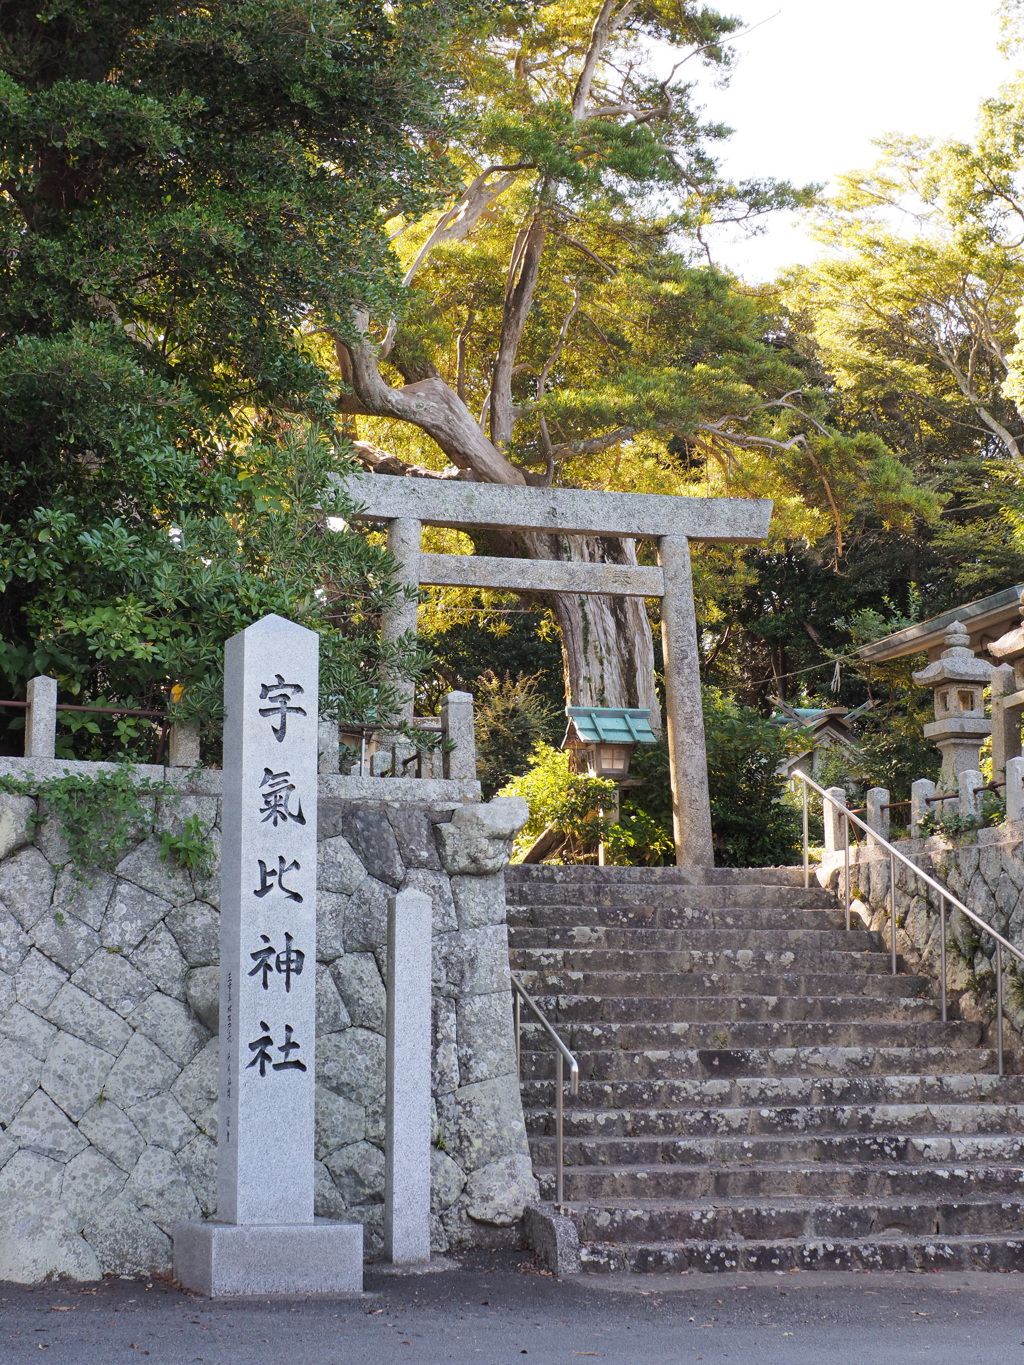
[609,725]
[957,663]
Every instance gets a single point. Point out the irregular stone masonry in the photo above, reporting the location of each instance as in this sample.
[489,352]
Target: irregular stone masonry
[108,1017]
[757,1091]
[985,870]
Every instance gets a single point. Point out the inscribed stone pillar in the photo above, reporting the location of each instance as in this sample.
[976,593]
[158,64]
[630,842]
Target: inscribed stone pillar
[41,718]
[408,1081]
[268,924]
[401,617]
[264,1239]
[691,806]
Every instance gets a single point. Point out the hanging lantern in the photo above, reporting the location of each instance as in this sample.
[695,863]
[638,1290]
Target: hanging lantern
[601,739]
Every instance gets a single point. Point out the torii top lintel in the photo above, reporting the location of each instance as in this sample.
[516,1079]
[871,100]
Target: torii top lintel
[449,502]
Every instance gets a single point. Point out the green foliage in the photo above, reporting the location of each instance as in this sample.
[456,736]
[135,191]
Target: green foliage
[993,812]
[99,817]
[512,718]
[560,800]
[753,820]
[193,200]
[192,848]
[639,840]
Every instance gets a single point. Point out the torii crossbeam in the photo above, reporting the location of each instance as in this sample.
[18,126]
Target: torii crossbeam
[407,504]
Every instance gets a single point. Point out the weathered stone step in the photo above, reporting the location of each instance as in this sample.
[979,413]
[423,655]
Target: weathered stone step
[675,917]
[723,897]
[617,1128]
[731,1034]
[787,1217]
[668,1135]
[697,937]
[825,1181]
[702,1063]
[650,985]
[560,1009]
[583,875]
[739,959]
[603,1102]
[746,1167]
[899,1253]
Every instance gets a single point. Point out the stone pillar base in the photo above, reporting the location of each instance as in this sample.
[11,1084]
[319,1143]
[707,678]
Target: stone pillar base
[221,1260]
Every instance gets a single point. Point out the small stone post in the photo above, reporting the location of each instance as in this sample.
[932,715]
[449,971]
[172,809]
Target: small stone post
[691,804]
[1015,789]
[969,785]
[265,1240]
[41,718]
[1006,719]
[328,746]
[407,1093]
[877,815]
[833,820]
[457,725]
[920,791]
[183,746]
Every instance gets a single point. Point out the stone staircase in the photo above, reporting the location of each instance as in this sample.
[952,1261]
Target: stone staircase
[757,1092]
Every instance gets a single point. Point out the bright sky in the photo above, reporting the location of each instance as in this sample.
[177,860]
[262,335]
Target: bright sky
[816,80]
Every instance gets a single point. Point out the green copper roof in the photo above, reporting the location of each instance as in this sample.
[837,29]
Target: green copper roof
[611,724]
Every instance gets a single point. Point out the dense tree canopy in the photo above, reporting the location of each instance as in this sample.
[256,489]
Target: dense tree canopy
[182,187]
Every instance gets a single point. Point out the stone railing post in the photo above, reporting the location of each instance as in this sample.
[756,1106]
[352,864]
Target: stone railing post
[833,820]
[920,791]
[878,811]
[1015,789]
[1006,720]
[457,725]
[408,1081]
[41,718]
[969,785]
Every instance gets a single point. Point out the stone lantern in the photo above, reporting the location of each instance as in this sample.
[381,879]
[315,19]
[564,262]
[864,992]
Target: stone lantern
[958,681]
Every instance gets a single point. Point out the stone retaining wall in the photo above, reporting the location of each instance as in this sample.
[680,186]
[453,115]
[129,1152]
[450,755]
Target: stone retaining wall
[985,870]
[108,1019]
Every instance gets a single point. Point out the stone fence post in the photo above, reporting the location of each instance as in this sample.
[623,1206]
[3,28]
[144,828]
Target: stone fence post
[920,792]
[969,785]
[41,718]
[878,811]
[1015,789]
[457,725]
[833,821]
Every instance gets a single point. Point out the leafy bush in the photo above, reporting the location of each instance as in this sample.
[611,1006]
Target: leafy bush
[512,718]
[754,823]
[560,800]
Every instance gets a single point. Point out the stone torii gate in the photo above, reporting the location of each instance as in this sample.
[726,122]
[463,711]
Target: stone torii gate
[407,504]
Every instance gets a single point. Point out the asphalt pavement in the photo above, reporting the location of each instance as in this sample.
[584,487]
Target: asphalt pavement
[500,1309]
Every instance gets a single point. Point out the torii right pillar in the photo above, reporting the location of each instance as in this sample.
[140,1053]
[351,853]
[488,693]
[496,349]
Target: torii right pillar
[691,804]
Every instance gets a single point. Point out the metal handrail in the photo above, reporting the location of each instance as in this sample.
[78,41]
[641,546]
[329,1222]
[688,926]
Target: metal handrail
[944,895]
[521,995]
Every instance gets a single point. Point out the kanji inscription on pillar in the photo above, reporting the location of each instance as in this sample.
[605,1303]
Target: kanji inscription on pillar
[268,925]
